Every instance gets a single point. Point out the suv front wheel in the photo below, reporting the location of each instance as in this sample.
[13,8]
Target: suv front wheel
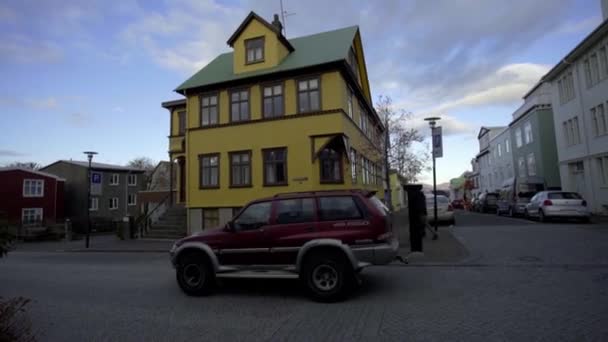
[327,275]
[195,275]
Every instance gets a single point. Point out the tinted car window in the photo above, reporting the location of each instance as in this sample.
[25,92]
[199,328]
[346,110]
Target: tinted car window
[253,217]
[338,208]
[295,210]
[564,195]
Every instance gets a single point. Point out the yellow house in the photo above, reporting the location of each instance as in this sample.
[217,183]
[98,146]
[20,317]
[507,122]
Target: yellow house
[274,115]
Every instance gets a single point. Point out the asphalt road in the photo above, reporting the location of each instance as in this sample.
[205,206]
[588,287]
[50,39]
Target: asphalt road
[523,281]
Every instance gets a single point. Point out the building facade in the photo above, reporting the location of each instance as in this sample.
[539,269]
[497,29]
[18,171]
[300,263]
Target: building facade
[274,115]
[532,134]
[485,158]
[29,197]
[579,88]
[501,159]
[114,190]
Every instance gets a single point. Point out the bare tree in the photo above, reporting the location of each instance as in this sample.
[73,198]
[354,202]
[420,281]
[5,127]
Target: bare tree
[399,142]
[25,165]
[143,163]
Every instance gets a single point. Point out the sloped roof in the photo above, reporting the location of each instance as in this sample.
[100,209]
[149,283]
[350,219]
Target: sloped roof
[5,169]
[316,49]
[252,15]
[98,166]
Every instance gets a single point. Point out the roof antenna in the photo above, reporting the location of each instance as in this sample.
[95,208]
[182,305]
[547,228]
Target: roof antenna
[283,15]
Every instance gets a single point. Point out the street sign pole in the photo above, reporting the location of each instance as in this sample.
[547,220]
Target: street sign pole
[437,151]
[90,155]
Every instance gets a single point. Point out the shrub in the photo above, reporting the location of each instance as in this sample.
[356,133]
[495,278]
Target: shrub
[14,324]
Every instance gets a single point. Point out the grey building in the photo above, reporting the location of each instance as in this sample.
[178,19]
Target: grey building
[501,159]
[485,158]
[532,135]
[114,190]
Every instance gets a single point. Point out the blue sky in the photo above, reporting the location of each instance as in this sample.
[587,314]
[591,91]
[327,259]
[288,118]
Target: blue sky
[90,75]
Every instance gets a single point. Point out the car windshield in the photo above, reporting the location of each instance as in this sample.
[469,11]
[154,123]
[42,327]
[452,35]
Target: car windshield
[564,195]
[529,189]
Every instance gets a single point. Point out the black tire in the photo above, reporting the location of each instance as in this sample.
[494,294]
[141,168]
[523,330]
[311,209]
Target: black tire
[526,215]
[195,275]
[328,276]
[541,216]
[586,220]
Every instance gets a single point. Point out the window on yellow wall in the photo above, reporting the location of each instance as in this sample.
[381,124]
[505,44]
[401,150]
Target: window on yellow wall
[350,103]
[309,98]
[254,50]
[211,218]
[275,166]
[181,120]
[209,110]
[273,101]
[209,170]
[239,105]
[353,165]
[331,165]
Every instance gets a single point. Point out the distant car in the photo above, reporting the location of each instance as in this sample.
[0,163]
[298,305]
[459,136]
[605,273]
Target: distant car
[516,193]
[458,204]
[487,202]
[557,204]
[445,212]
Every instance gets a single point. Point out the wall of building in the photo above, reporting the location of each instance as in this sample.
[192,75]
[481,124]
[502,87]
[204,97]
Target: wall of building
[274,50]
[75,181]
[12,200]
[502,161]
[579,169]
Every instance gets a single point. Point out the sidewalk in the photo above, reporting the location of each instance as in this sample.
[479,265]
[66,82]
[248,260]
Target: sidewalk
[97,243]
[445,249]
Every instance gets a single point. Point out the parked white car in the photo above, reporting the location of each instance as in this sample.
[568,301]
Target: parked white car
[557,204]
[445,212]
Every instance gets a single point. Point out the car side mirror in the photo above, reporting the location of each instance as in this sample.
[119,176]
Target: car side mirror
[230,226]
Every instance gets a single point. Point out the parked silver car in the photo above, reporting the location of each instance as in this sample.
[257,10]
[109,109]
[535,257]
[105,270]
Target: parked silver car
[557,204]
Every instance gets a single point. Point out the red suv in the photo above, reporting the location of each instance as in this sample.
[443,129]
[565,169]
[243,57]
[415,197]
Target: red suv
[324,238]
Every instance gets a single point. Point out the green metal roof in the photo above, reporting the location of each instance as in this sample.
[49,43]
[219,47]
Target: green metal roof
[316,49]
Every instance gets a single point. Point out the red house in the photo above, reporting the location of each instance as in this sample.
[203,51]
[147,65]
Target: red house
[30,197]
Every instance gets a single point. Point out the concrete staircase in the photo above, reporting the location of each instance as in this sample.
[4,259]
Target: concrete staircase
[171,225]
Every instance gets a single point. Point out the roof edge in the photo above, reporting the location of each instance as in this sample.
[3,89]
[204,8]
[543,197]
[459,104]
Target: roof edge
[41,173]
[252,15]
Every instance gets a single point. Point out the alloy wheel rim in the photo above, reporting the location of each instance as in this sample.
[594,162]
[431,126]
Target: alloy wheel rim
[193,276]
[325,277]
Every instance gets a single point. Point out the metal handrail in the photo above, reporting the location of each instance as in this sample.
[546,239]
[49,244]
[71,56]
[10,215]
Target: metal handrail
[145,217]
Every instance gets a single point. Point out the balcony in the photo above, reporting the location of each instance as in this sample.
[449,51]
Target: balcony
[177,144]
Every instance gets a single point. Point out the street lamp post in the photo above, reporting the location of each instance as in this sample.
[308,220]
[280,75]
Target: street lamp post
[90,155]
[432,122]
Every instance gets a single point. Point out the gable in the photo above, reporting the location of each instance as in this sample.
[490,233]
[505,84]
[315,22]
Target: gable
[357,46]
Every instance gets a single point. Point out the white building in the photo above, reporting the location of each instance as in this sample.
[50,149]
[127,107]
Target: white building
[579,87]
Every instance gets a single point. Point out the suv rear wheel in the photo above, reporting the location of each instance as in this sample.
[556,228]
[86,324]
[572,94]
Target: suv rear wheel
[327,275]
[195,275]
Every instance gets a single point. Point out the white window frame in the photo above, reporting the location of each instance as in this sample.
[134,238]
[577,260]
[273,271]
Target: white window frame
[113,203]
[115,179]
[38,185]
[521,167]
[350,103]
[499,149]
[507,146]
[134,182]
[94,205]
[602,169]
[36,211]
[528,138]
[531,164]
[518,138]
[131,199]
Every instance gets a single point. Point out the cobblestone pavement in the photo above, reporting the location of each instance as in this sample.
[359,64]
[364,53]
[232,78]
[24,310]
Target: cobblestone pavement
[522,281]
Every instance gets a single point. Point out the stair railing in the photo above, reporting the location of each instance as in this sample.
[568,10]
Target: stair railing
[142,223]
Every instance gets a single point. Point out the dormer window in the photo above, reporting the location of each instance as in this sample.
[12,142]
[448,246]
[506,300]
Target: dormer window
[254,49]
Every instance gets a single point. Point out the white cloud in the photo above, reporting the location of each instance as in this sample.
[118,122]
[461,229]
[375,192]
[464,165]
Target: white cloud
[10,153]
[186,36]
[23,49]
[47,103]
[78,119]
[118,109]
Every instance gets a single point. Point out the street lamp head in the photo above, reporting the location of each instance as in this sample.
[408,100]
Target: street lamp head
[90,154]
[432,120]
